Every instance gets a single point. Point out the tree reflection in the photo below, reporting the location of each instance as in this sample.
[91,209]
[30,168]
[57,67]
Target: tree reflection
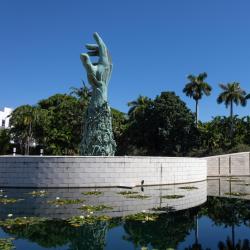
[54,233]
[164,233]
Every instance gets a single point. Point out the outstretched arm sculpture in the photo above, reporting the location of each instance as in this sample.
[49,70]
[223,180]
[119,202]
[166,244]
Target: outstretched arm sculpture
[97,131]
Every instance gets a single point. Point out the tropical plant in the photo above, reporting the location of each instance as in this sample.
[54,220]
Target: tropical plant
[4,141]
[195,89]
[26,121]
[232,94]
[138,106]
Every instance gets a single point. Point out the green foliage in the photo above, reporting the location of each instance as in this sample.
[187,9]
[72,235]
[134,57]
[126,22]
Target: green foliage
[39,193]
[162,126]
[27,126]
[65,117]
[142,217]
[7,244]
[60,202]
[77,221]
[195,89]
[4,200]
[90,208]
[216,136]
[165,127]
[4,142]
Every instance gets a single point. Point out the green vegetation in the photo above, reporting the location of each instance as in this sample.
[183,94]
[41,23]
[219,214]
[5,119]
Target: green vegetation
[21,221]
[163,125]
[92,193]
[195,89]
[5,200]
[40,193]
[60,202]
[137,196]
[90,208]
[78,221]
[237,194]
[142,217]
[173,196]
[232,94]
[7,244]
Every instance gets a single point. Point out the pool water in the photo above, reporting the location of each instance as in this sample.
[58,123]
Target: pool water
[204,215]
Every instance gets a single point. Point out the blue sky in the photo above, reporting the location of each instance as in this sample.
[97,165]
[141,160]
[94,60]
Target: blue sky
[154,45]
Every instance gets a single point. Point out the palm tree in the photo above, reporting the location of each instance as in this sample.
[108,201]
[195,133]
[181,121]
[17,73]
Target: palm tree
[138,106]
[232,94]
[83,93]
[195,89]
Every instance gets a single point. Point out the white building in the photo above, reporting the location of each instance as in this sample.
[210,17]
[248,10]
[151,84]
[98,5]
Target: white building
[4,117]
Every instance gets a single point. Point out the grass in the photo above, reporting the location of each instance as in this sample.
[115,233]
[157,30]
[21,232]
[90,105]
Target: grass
[60,202]
[173,196]
[90,208]
[92,193]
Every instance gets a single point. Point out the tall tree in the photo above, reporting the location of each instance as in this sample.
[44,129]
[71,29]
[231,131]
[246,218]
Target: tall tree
[24,121]
[232,94]
[195,89]
[138,106]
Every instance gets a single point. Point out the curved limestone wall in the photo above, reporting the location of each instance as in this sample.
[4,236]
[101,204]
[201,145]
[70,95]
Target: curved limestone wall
[58,171]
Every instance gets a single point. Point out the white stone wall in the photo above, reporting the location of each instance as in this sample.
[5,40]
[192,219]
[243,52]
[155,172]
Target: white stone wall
[223,186]
[46,171]
[230,164]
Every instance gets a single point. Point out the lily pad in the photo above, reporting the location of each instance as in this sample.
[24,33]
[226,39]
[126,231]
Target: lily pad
[92,193]
[60,202]
[127,192]
[4,200]
[21,221]
[174,196]
[7,244]
[137,196]
[90,208]
[237,194]
[40,193]
[77,221]
[188,188]
[142,217]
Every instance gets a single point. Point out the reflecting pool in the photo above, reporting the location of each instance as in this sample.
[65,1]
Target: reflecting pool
[204,215]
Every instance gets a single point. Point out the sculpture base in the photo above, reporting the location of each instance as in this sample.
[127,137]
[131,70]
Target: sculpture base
[97,133]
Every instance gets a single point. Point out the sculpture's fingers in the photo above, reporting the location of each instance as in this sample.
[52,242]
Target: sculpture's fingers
[92,46]
[93,53]
[101,44]
[86,62]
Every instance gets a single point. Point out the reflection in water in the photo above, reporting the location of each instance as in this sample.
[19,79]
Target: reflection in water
[186,223]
